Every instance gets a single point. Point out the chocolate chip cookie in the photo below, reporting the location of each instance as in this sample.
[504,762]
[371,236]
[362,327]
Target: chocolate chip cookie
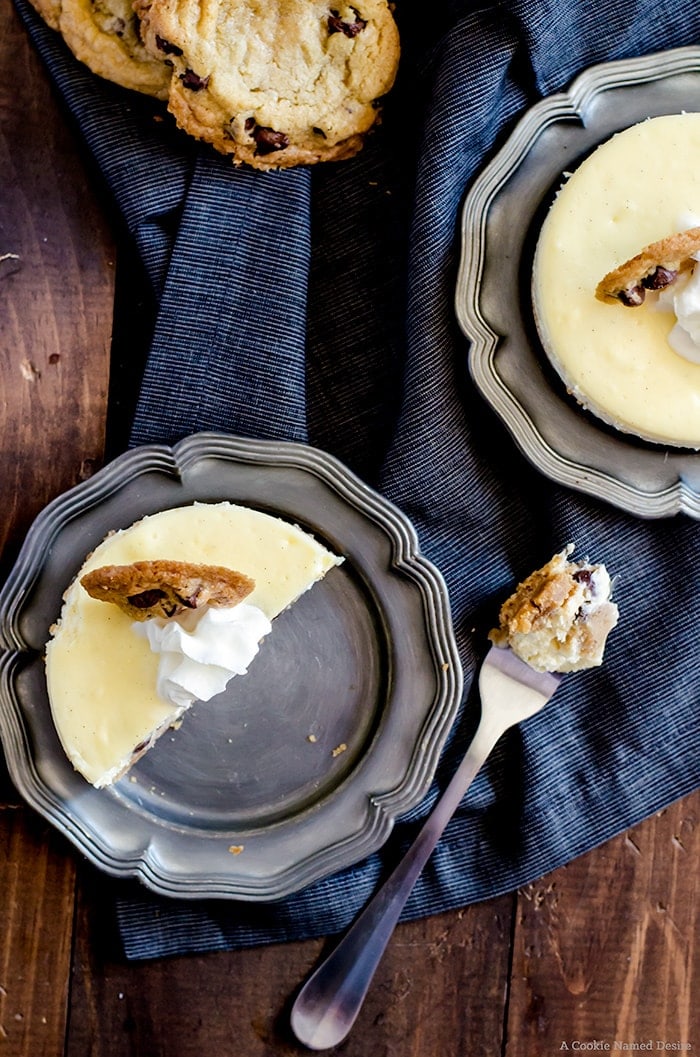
[275,83]
[166,588]
[105,35]
[653,268]
[50,11]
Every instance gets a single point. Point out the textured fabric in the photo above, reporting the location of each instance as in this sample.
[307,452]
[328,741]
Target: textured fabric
[318,305]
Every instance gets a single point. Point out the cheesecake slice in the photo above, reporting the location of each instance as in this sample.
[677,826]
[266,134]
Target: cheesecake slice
[102,672]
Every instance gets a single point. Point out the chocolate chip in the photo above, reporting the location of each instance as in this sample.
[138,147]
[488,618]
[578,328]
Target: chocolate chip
[632,296]
[146,599]
[191,602]
[268,140]
[587,577]
[193,81]
[166,47]
[659,278]
[350,29]
[318,131]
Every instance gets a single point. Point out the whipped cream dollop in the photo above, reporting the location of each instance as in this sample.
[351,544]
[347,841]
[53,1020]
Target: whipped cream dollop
[200,651]
[682,297]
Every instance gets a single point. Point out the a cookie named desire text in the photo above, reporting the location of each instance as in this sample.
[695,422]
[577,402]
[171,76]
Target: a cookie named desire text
[621,1046]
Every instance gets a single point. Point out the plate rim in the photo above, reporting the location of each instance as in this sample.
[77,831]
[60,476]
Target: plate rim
[673,485]
[141,859]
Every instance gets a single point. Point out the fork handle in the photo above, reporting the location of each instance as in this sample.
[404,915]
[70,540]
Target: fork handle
[327,1005]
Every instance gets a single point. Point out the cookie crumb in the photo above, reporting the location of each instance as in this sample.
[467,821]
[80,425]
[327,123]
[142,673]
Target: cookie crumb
[236,849]
[9,264]
[312,738]
[339,749]
[29,371]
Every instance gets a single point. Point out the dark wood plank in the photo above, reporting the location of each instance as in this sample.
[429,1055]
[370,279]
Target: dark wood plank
[439,990]
[606,948]
[37,882]
[56,290]
[56,293]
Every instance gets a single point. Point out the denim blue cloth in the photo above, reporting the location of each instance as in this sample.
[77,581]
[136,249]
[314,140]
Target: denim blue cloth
[317,305]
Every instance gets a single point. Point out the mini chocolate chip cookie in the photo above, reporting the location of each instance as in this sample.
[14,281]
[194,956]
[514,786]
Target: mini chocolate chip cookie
[105,35]
[653,268]
[166,588]
[279,83]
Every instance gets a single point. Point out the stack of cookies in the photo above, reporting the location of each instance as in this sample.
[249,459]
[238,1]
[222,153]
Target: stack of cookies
[272,83]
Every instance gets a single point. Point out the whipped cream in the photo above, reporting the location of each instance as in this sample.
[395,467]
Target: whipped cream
[200,651]
[683,298]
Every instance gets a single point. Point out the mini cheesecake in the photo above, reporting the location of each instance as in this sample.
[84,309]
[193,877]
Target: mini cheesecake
[102,676]
[638,189]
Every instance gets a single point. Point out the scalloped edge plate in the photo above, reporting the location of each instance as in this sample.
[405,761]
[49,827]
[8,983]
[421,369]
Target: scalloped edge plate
[126,830]
[500,219]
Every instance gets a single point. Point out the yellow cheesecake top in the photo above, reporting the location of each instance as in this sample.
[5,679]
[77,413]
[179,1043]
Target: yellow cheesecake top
[640,186]
[102,676]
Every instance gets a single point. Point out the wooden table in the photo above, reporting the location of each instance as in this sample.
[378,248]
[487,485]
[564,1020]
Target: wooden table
[599,953]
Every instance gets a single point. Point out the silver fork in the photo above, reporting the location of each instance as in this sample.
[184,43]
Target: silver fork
[327,1005]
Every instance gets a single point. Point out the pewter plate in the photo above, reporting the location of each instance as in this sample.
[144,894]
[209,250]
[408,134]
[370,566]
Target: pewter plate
[300,768]
[501,218]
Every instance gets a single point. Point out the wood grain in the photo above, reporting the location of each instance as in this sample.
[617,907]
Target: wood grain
[37,882]
[56,287]
[439,990]
[606,948]
[56,293]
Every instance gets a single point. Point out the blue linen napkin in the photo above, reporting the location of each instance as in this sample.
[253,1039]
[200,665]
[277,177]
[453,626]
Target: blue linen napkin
[317,305]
